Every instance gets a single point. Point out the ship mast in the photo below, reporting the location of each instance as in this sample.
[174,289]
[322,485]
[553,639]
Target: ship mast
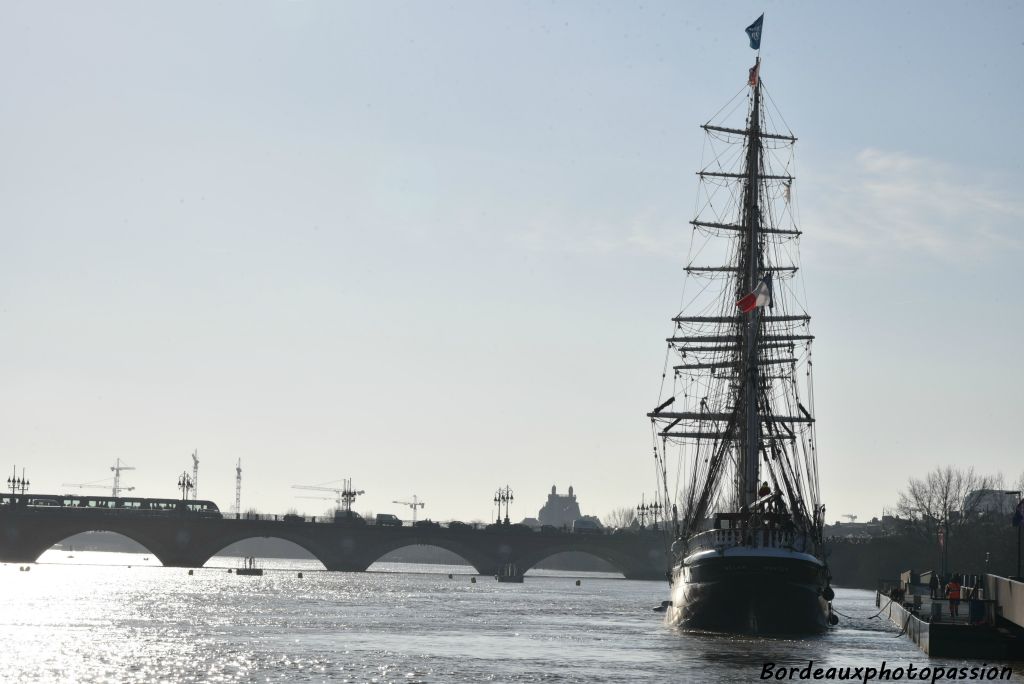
[747,282]
[737,385]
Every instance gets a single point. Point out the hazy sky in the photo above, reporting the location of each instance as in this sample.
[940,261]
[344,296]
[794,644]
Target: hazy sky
[435,246]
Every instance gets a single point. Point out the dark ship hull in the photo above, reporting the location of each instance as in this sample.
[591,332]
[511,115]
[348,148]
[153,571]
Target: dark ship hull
[753,591]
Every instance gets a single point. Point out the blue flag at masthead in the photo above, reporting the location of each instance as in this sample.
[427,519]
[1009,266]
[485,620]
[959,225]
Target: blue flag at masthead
[754,33]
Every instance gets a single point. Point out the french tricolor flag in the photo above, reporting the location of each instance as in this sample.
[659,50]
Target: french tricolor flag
[761,296]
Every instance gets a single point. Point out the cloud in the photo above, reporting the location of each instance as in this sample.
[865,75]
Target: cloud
[881,204]
[894,202]
[647,232]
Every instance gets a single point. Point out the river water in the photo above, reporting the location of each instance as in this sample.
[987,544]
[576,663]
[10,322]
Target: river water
[92,618]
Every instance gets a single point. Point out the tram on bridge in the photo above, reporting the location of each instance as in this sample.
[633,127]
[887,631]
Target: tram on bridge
[112,504]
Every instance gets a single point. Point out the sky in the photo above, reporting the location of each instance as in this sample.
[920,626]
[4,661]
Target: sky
[435,246]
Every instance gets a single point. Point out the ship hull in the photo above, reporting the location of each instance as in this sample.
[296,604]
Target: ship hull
[748,591]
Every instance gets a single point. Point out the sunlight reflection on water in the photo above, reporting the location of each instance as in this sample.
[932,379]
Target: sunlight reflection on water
[91,618]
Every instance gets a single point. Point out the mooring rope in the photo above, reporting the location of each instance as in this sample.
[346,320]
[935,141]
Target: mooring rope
[851,617]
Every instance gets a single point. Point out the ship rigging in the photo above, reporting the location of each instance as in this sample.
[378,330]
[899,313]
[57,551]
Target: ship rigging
[734,428]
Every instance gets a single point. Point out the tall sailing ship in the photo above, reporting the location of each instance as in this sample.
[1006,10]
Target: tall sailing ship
[734,438]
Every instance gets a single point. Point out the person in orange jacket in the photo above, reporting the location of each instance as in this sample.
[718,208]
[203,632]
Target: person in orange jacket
[953,594]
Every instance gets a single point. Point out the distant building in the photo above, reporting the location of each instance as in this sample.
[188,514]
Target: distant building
[560,510]
[990,501]
[866,530]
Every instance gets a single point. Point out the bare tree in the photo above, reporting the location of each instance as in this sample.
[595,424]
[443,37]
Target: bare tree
[620,517]
[937,507]
[1019,484]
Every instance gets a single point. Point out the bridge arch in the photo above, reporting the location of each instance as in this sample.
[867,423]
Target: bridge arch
[529,559]
[482,562]
[98,540]
[27,545]
[294,541]
[431,553]
[602,563]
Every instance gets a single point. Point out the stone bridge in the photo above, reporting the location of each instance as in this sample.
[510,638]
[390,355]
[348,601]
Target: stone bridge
[187,540]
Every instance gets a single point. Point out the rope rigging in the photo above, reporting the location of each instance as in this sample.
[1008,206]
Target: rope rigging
[707,378]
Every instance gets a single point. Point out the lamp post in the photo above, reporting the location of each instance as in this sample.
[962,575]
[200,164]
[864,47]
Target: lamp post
[641,513]
[645,510]
[18,485]
[1018,523]
[503,496]
[184,484]
[655,509]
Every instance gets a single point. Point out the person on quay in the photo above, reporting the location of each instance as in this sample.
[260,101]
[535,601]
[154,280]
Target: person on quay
[953,594]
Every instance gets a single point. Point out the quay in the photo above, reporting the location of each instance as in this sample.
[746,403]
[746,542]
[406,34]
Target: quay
[990,623]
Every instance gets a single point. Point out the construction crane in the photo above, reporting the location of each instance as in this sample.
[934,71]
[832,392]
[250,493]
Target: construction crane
[117,468]
[322,498]
[195,474]
[96,485]
[343,496]
[238,489]
[851,518]
[414,504]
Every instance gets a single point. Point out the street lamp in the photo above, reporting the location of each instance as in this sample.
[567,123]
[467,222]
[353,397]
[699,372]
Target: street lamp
[945,545]
[655,509]
[648,509]
[184,484]
[1018,523]
[503,496]
[17,484]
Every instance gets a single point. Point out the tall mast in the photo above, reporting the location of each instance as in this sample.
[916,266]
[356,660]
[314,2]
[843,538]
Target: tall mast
[752,250]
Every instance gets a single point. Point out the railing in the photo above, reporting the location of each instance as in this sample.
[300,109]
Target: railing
[970,608]
[1006,592]
[296,519]
[718,540]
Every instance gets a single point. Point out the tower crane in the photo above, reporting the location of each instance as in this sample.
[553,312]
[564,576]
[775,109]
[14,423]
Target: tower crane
[343,496]
[195,473]
[95,485]
[414,504]
[238,489]
[333,511]
[117,468]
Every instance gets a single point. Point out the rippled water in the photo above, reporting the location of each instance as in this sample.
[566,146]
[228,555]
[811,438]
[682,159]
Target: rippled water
[93,619]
